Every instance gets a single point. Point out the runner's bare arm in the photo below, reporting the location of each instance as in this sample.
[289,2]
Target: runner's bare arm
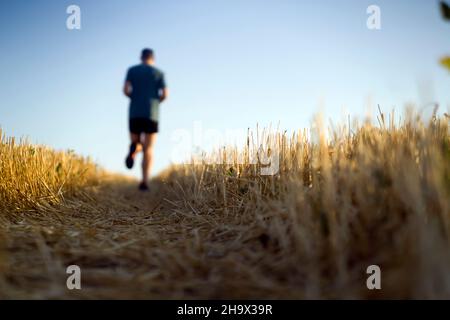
[163,94]
[127,89]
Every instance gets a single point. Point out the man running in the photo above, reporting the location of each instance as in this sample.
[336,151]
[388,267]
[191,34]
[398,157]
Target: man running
[146,88]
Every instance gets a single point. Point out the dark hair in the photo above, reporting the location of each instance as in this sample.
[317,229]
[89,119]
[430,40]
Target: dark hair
[147,54]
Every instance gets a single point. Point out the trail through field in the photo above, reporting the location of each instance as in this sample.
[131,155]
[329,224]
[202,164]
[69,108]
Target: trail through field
[377,197]
[130,244]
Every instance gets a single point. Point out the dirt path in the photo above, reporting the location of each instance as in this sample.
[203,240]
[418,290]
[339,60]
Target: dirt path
[132,246]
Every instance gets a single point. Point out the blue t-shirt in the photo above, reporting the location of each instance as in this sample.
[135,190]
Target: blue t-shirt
[146,83]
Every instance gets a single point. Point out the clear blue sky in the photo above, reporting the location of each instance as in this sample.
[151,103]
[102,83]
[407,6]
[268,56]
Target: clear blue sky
[229,64]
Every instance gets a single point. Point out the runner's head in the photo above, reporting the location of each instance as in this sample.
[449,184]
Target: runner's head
[147,56]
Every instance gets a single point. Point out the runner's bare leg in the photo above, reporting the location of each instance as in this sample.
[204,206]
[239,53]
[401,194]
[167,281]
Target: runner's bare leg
[136,138]
[147,162]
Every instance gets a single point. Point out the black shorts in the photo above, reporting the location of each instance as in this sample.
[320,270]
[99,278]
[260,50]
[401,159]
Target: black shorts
[143,125]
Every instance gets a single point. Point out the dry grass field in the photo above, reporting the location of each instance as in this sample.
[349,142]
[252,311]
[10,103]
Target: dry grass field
[342,200]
